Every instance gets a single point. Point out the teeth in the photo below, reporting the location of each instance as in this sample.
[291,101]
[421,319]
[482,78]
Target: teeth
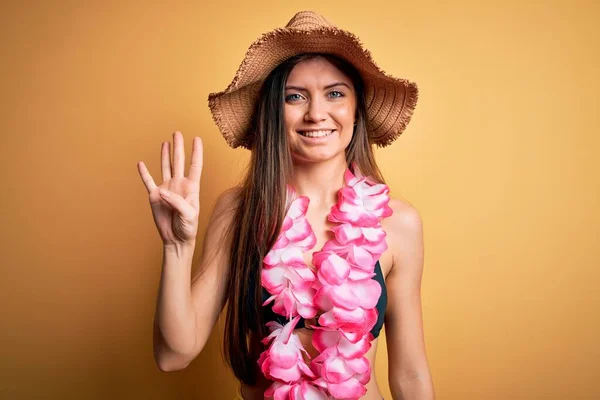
[316,133]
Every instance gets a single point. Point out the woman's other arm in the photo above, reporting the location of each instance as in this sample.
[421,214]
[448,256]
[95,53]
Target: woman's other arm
[409,374]
[188,308]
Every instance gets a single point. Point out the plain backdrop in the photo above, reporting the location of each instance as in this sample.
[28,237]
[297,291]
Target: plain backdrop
[500,159]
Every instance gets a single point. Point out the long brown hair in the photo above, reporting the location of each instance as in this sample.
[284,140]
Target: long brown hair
[262,205]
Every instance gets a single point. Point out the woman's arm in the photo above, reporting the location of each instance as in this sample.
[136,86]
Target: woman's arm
[187,308]
[409,374]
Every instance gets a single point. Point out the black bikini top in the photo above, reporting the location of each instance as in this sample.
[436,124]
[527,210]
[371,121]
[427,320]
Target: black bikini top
[269,315]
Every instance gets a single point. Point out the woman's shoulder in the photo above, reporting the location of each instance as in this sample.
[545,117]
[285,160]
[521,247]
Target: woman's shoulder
[230,196]
[403,210]
[404,223]
[227,204]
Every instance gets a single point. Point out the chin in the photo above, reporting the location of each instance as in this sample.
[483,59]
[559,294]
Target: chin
[316,156]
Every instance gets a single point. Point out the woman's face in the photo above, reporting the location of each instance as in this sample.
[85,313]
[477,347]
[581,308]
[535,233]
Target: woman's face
[319,111]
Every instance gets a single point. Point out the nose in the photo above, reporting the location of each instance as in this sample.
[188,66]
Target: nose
[317,110]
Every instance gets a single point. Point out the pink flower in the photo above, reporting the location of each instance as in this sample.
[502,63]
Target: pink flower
[349,305]
[361,202]
[352,323]
[331,268]
[344,378]
[285,274]
[277,278]
[296,235]
[323,339]
[361,256]
[291,289]
[349,295]
[301,390]
[293,301]
[283,359]
[347,233]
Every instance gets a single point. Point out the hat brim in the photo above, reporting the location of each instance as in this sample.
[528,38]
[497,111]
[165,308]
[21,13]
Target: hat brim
[390,101]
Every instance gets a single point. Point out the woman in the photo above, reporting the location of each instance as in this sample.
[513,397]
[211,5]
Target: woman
[310,253]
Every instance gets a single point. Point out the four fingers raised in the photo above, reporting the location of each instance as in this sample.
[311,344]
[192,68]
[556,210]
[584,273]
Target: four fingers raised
[168,171]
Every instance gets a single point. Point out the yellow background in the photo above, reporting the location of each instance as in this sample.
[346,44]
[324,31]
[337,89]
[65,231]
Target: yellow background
[500,159]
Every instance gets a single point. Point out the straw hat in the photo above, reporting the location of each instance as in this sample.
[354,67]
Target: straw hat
[390,101]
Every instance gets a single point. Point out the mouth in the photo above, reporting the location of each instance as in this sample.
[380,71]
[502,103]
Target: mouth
[317,134]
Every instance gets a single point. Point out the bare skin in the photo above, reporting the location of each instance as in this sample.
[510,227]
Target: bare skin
[320,97]
[180,227]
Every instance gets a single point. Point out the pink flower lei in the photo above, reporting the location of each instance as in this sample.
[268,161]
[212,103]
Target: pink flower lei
[342,291]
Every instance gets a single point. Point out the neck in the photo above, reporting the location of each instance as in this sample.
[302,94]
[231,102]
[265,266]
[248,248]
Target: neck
[320,182]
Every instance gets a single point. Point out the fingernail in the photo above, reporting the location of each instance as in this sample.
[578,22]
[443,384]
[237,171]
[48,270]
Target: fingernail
[164,192]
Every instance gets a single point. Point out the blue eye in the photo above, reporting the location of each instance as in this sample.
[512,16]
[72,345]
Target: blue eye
[336,94]
[291,97]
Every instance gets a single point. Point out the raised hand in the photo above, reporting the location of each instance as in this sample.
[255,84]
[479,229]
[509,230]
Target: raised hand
[176,202]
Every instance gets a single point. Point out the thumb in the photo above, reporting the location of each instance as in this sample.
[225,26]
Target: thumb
[178,203]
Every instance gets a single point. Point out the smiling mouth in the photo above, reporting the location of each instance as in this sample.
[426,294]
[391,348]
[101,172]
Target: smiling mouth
[316,134]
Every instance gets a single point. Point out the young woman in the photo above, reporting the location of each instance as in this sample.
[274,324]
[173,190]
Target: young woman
[310,254]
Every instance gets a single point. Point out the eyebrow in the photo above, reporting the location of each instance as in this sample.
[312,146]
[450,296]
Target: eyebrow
[326,87]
